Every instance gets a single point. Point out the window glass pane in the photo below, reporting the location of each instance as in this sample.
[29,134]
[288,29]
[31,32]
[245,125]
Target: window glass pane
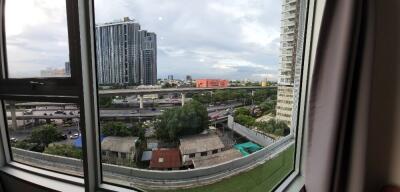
[37,38]
[198,95]
[46,135]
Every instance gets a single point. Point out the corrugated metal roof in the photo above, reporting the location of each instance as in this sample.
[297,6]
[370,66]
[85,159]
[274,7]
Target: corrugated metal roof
[200,143]
[146,156]
[118,144]
[165,158]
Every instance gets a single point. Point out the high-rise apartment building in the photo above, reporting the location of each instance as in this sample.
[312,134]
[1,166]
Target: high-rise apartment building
[189,78]
[119,51]
[67,68]
[148,56]
[289,26]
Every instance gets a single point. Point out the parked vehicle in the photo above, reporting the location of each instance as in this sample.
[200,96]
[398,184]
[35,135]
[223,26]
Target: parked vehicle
[28,112]
[74,136]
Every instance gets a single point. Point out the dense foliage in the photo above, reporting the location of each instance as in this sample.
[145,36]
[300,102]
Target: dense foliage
[190,119]
[268,107]
[244,117]
[245,120]
[45,135]
[105,102]
[64,150]
[275,127]
[222,96]
[116,129]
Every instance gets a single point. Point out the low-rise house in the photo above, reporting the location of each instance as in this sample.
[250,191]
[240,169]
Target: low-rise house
[146,156]
[199,146]
[118,150]
[165,159]
[151,144]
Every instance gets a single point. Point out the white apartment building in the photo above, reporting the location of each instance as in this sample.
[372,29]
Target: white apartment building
[289,26]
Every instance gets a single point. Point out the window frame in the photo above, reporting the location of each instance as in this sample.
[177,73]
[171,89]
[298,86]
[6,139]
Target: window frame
[45,86]
[48,89]
[86,97]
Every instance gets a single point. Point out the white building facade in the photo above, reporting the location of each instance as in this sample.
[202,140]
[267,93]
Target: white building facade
[289,26]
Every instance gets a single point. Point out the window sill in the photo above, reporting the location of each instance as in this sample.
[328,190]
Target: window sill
[43,178]
[294,183]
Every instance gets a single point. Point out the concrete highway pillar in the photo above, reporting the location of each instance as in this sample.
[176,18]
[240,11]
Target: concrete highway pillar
[140,101]
[36,122]
[211,94]
[183,97]
[252,97]
[13,115]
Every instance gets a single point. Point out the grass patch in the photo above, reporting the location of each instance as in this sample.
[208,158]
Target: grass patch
[262,178]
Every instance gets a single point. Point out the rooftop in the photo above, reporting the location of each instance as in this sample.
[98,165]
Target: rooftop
[200,143]
[165,158]
[146,156]
[217,158]
[118,144]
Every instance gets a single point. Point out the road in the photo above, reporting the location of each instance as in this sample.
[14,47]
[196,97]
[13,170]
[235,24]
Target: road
[124,92]
[108,113]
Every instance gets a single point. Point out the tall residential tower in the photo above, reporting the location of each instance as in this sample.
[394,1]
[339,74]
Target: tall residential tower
[126,55]
[289,26]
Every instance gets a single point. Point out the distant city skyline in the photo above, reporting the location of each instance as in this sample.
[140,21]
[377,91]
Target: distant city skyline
[227,39]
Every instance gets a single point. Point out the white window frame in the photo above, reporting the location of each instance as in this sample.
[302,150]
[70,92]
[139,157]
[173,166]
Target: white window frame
[92,164]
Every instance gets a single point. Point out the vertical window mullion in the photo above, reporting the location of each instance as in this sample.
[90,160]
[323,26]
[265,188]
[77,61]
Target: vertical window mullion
[4,145]
[91,135]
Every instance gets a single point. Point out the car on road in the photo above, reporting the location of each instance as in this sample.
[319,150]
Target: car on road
[45,114]
[74,136]
[153,109]
[59,112]
[71,113]
[161,110]
[13,139]
[28,112]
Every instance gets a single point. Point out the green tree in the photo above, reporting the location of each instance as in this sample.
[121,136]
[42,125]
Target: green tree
[64,150]
[268,106]
[242,111]
[190,119]
[275,127]
[45,135]
[24,144]
[245,120]
[204,98]
[105,102]
[262,95]
[116,129]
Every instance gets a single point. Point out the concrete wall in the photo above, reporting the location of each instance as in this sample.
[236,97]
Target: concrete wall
[216,171]
[200,172]
[253,136]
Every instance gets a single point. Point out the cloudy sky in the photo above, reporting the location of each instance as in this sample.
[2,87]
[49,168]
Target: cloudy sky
[232,39]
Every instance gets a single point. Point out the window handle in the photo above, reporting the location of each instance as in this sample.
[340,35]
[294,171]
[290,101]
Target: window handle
[35,84]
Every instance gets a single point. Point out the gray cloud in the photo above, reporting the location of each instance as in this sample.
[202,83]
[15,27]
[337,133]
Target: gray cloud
[233,39]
